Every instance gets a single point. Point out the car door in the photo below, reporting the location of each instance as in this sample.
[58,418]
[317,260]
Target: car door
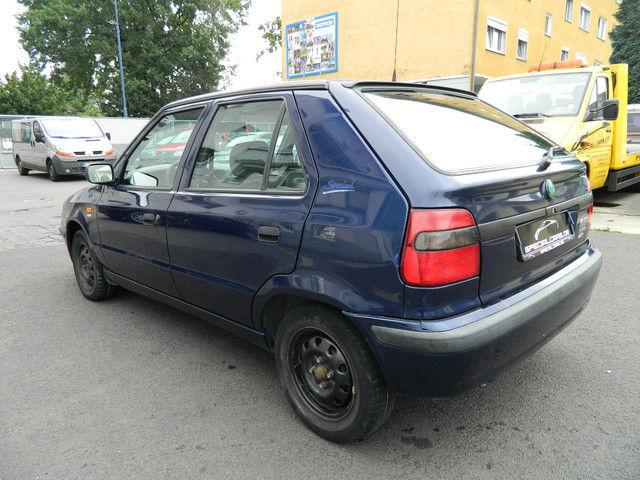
[39,148]
[597,140]
[27,148]
[238,216]
[132,213]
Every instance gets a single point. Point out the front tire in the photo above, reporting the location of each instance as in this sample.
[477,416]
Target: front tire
[21,168]
[329,374]
[51,170]
[88,270]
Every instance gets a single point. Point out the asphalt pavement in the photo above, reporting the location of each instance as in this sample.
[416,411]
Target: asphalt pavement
[132,389]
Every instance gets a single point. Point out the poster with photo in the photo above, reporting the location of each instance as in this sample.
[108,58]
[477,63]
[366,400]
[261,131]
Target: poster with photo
[312,46]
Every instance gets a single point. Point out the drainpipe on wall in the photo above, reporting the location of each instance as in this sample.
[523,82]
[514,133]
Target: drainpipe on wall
[472,77]
[395,53]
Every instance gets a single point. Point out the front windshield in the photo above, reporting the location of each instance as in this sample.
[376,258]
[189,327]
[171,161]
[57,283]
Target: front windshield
[557,95]
[71,128]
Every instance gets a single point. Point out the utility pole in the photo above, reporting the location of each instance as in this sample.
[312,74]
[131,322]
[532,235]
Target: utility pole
[124,98]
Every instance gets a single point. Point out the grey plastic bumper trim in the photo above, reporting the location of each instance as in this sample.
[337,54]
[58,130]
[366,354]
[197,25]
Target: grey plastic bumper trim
[497,324]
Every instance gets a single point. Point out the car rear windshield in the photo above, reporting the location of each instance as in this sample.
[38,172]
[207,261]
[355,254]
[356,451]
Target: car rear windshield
[458,134]
[71,128]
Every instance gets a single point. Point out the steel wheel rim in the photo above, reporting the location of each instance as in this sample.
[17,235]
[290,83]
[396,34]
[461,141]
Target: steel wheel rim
[86,267]
[322,374]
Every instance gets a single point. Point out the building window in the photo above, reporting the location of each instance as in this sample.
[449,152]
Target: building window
[585,17]
[523,43]
[496,35]
[602,29]
[581,56]
[564,54]
[568,11]
[548,21]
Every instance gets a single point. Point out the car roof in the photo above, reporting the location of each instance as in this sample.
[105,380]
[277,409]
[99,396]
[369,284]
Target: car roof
[310,85]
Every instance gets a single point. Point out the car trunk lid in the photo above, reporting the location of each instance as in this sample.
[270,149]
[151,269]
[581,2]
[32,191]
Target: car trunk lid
[531,222]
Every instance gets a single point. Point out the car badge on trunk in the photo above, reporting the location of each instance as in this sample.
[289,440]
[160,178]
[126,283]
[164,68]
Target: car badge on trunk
[548,189]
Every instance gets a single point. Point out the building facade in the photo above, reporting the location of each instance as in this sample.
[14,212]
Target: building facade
[417,39]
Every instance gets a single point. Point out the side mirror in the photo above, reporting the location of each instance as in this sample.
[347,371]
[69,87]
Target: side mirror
[108,135]
[100,173]
[38,137]
[610,109]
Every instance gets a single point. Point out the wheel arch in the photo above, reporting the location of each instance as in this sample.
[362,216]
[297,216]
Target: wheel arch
[277,306]
[72,227]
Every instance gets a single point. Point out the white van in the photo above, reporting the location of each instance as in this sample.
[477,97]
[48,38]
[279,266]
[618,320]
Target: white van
[59,146]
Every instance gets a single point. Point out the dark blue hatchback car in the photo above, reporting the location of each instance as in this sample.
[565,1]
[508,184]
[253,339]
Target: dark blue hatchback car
[381,238]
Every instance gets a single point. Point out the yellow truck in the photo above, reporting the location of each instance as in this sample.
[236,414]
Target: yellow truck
[583,109]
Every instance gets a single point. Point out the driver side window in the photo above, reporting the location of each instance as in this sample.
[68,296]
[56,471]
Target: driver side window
[154,162]
[599,94]
[37,130]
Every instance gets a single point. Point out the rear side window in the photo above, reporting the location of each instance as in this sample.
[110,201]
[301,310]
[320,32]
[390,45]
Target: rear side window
[457,134]
[25,129]
[243,142]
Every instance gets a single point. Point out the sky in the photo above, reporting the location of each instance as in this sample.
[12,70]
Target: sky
[244,45]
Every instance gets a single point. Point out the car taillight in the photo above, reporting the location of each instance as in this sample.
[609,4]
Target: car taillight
[589,215]
[441,246]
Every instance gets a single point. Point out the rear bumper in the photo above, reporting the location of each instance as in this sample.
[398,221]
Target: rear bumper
[440,357]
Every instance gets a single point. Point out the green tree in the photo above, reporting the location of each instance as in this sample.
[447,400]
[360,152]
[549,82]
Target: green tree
[170,48]
[625,39]
[272,34]
[31,93]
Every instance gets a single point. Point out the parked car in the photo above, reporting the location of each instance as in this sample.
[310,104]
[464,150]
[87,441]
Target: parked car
[390,239]
[59,146]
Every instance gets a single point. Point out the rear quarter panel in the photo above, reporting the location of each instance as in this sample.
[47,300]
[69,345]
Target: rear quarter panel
[352,239]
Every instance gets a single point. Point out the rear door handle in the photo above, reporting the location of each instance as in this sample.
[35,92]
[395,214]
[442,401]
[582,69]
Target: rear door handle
[268,234]
[150,218]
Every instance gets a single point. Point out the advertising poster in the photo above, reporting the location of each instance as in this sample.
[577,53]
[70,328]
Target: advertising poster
[312,46]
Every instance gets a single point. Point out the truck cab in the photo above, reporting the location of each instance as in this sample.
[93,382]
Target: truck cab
[583,109]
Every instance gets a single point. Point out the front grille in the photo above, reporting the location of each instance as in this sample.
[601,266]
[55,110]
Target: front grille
[97,152]
[78,153]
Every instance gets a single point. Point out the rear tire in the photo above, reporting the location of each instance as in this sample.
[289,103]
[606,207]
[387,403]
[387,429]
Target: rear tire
[51,170]
[88,270]
[21,168]
[329,374]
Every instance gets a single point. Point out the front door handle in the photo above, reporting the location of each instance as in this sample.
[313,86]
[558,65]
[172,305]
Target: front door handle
[150,218]
[268,234]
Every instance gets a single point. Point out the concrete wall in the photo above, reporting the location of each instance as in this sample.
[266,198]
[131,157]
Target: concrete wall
[435,36]
[122,130]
